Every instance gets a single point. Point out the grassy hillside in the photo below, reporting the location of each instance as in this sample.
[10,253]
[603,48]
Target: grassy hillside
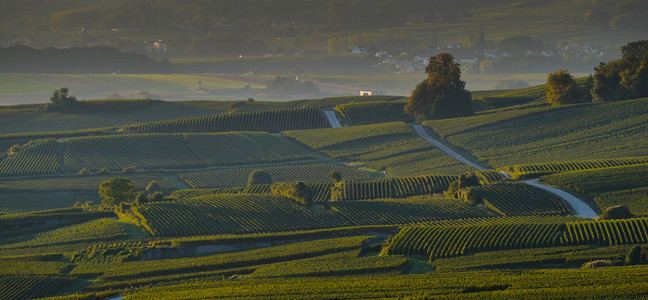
[392,147]
[529,134]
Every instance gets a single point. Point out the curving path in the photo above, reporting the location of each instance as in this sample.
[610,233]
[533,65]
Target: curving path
[420,130]
[332,118]
[579,207]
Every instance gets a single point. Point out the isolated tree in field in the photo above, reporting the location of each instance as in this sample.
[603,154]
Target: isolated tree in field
[60,97]
[116,190]
[259,177]
[335,176]
[442,94]
[562,88]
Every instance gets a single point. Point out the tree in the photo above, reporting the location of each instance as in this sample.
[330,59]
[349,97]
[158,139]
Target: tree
[259,177]
[625,78]
[335,176]
[60,97]
[116,190]
[616,212]
[562,88]
[442,94]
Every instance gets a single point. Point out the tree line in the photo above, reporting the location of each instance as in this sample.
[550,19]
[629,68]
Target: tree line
[98,59]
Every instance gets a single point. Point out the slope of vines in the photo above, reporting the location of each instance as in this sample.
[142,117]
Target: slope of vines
[511,199]
[268,120]
[362,113]
[251,213]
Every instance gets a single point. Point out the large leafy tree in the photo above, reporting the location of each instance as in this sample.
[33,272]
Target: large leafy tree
[116,190]
[626,78]
[442,94]
[562,88]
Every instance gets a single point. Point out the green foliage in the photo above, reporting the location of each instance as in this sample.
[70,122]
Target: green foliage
[248,213]
[313,173]
[60,98]
[635,199]
[616,212]
[443,94]
[625,78]
[363,113]
[562,89]
[299,192]
[259,177]
[335,176]
[265,120]
[116,190]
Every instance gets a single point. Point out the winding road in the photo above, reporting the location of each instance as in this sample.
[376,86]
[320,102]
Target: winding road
[579,207]
[332,118]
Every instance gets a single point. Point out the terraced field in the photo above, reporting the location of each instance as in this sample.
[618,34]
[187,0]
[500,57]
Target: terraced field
[539,135]
[250,213]
[392,147]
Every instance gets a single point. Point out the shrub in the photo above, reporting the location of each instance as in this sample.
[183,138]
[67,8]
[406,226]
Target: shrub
[259,177]
[299,192]
[84,172]
[14,149]
[129,170]
[616,212]
[103,171]
[597,264]
[335,176]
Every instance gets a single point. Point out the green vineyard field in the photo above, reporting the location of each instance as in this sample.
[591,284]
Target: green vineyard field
[364,113]
[448,241]
[150,151]
[511,199]
[566,133]
[392,187]
[268,121]
[31,287]
[314,173]
[34,158]
[250,213]
[321,191]
[601,180]
[390,147]
[22,202]
[537,170]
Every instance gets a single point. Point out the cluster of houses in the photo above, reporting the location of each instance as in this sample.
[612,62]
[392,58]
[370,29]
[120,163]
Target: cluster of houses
[406,63]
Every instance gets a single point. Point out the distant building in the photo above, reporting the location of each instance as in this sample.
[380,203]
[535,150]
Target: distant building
[372,93]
